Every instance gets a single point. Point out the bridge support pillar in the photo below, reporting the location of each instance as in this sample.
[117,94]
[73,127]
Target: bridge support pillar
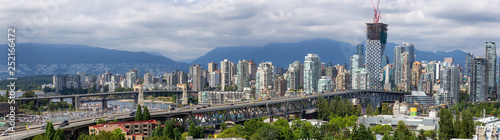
[76,102]
[104,104]
[140,97]
[184,93]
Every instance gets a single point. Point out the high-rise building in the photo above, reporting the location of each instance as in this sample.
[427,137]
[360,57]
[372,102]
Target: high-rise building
[388,77]
[131,78]
[172,78]
[343,81]
[491,57]
[468,59]
[148,78]
[252,69]
[263,79]
[325,84]
[196,72]
[450,83]
[82,78]
[212,66]
[214,80]
[406,73]
[478,86]
[225,73]
[411,52]
[292,78]
[416,72]
[312,73]
[280,86]
[375,46]
[300,72]
[183,78]
[355,62]
[361,53]
[242,75]
[359,79]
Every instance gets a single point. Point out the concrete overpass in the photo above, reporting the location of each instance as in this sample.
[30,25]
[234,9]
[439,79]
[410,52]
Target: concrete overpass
[242,111]
[137,96]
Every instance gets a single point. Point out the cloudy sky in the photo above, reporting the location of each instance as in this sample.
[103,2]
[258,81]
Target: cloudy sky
[187,29]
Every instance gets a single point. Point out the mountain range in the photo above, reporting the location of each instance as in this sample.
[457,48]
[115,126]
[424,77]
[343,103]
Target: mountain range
[337,52]
[49,59]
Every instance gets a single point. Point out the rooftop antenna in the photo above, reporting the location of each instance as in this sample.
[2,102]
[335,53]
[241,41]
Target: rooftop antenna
[376,17]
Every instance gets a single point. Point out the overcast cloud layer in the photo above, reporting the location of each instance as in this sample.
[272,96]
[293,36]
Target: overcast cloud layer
[187,29]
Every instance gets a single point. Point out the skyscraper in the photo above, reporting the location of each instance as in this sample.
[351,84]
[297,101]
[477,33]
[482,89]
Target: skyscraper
[416,72]
[252,69]
[491,57]
[361,53]
[375,46]
[468,59]
[359,79]
[263,79]
[148,78]
[197,78]
[225,74]
[212,66]
[131,78]
[292,78]
[242,74]
[355,62]
[312,73]
[398,65]
[478,86]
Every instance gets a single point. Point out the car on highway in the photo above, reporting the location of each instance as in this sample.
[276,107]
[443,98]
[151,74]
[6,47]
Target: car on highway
[94,119]
[111,117]
[5,134]
[8,130]
[65,122]
[209,105]
[231,104]
[43,127]
[268,98]
[179,109]
[203,107]
[196,108]
[172,108]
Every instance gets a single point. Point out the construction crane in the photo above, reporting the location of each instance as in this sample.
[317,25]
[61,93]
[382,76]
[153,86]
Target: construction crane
[376,17]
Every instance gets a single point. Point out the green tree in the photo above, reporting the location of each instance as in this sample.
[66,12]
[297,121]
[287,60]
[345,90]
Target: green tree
[446,129]
[382,129]
[467,125]
[118,135]
[168,129]
[385,109]
[285,132]
[235,131]
[100,121]
[49,131]
[268,132]
[362,133]
[369,110]
[223,126]
[402,132]
[196,132]
[178,134]
[145,115]
[38,137]
[421,135]
[59,135]
[28,94]
[138,113]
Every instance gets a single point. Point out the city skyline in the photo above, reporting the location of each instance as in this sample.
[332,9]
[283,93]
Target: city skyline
[176,28]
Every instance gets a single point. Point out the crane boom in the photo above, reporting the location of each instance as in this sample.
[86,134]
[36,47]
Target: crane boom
[376,17]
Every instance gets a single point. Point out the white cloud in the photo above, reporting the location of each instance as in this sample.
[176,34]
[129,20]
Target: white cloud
[187,29]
